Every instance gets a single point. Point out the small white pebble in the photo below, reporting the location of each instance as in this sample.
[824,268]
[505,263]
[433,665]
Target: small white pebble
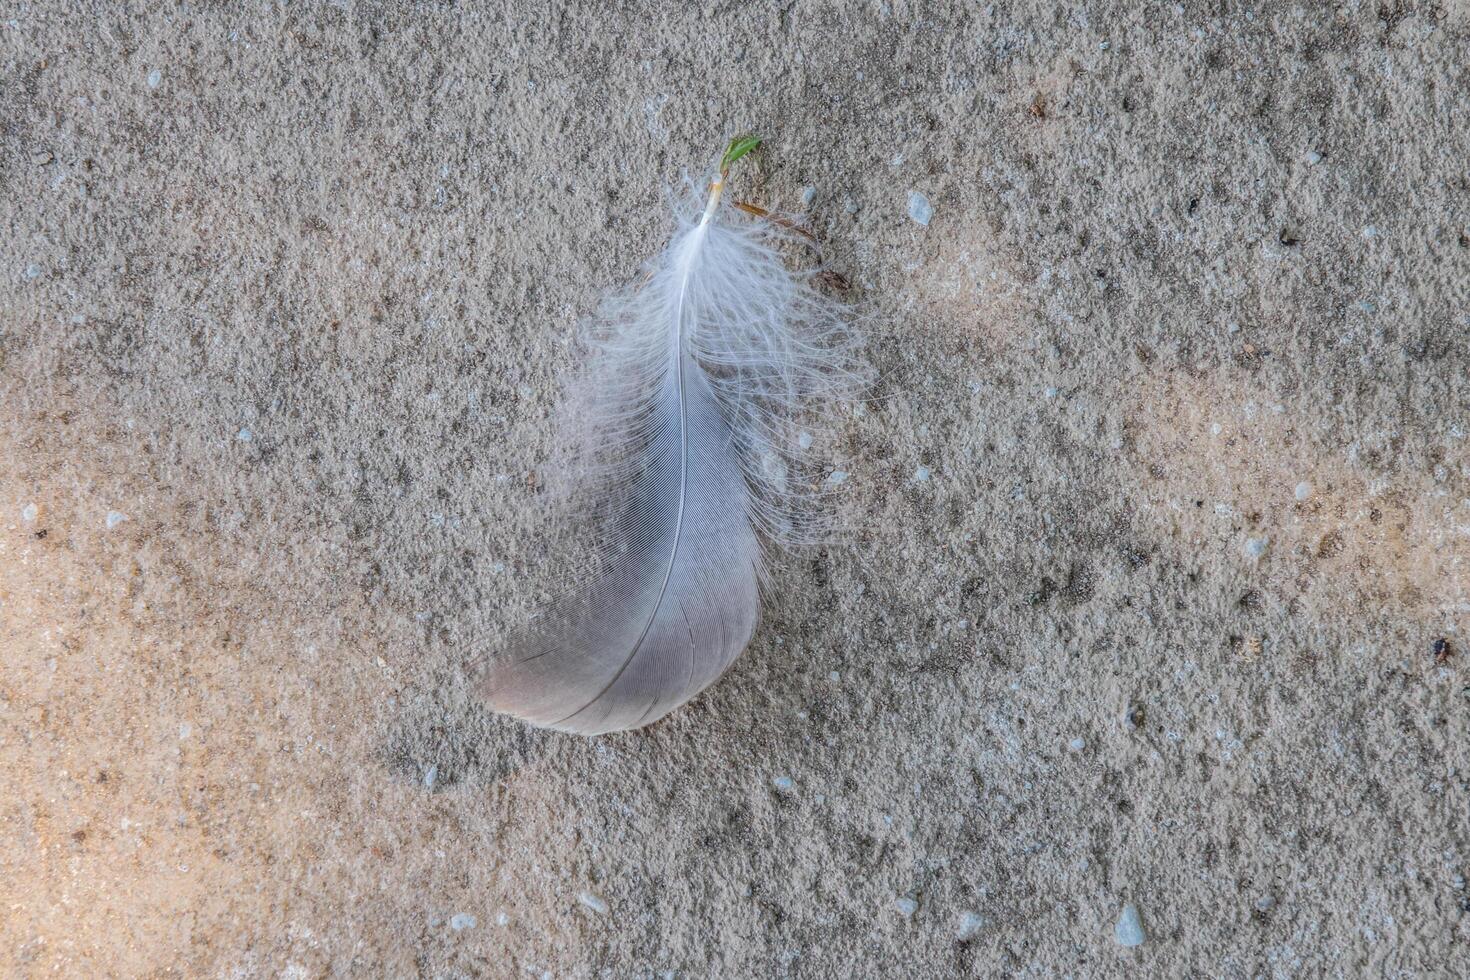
[462,921]
[783,783]
[837,477]
[1370,232]
[430,774]
[804,440]
[1129,930]
[834,676]
[1303,490]
[114,518]
[1313,157]
[33,271]
[808,195]
[1216,428]
[501,919]
[969,926]
[593,902]
[920,209]
[1265,903]
[155,78]
[245,435]
[185,730]
[921,475]
[1077,744]
[28,513]
[1049,393]
[1256,547]
[905,906]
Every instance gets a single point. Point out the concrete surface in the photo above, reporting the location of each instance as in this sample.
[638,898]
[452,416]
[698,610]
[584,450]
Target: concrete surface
[286,295]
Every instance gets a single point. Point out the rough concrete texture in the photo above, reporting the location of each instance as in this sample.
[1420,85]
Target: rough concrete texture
[287,292]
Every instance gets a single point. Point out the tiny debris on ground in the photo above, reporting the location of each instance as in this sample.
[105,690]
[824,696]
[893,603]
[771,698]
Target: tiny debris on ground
[969,925]
[919,208]
[1129,930]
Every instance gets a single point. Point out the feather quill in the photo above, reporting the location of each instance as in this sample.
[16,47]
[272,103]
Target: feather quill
[691,424]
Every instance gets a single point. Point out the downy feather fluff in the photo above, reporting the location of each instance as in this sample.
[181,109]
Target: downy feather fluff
[691,420]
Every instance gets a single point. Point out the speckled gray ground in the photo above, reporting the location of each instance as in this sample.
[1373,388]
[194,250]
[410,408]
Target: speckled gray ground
[287,292]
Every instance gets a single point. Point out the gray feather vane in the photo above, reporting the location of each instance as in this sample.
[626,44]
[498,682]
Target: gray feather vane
[691,423]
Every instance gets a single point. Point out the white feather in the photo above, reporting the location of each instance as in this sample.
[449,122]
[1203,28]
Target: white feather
[690,425]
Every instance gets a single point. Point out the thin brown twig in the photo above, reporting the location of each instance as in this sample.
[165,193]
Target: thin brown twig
[828,277]
[786,223]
